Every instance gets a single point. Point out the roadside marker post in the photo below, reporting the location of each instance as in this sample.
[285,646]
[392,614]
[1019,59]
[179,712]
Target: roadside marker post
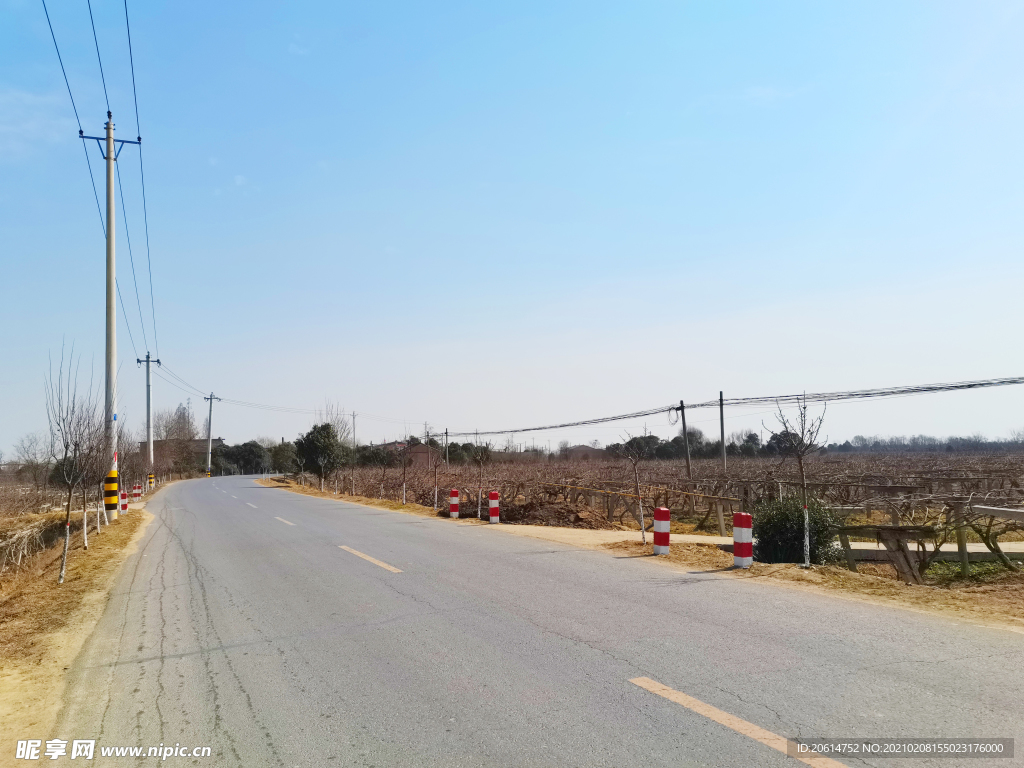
[492,503]
[136,492]
[662,525]
[453,503]
[110,495]
[742,540]
[124,501]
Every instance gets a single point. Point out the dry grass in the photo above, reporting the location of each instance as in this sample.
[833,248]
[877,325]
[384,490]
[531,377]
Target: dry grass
[43,625]
[308,490]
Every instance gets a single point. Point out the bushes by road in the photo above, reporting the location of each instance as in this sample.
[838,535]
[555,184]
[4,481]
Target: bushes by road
[778,530]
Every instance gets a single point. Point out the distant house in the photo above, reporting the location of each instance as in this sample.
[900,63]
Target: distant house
[586,453]
[422,455]
[419,455]
[394,446]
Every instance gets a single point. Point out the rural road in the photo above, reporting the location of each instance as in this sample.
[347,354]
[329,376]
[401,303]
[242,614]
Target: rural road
[243,623]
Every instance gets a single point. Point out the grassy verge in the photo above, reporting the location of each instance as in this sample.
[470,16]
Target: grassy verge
[43,625]
[309,490]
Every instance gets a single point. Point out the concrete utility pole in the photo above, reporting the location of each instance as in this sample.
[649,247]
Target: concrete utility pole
[110,413]
[107,149]
[209,434]
[686,440]
[149,408]
[721,420]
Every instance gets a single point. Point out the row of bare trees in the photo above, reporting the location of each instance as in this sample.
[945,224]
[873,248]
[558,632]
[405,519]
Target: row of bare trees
[71,457]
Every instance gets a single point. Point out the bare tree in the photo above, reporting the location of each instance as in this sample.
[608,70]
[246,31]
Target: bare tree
[162,420]
[72,417]
[94,463]
[481,456]
[635,450]
[33,454]
[335,415]
[436,458]
[799,438]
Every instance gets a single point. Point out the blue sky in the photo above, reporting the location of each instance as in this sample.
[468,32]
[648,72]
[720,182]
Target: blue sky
[504,214]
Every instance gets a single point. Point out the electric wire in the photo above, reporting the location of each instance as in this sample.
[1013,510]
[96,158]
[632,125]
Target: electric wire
[99,209]
[195,389]
[124,314]
[815,397]
[85,149]
[131,258]
[156,373]
[103,79]
[142,175]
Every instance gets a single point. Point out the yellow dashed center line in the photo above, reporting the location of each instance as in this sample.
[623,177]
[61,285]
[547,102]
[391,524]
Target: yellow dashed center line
[284,521]
[739,725]
[373,560]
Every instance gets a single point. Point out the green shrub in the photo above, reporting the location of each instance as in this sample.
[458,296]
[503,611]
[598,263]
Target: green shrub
[778,530]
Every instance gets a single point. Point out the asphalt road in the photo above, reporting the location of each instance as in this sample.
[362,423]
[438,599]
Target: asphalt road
[241,623]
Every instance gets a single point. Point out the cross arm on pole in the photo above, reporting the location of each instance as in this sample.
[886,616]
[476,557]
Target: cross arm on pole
[100,140]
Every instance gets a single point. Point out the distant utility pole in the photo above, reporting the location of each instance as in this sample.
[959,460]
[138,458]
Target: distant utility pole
[686,440]
[354,430]
[149,408]
[209,433]
[721,420]
[107,149]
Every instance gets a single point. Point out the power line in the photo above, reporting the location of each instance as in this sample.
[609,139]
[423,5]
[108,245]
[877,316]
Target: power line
[131,258]
[857,394]
[863,394]
[103,79]
[142,175]
[176,386]
[88,162]
[166,369]
[125,316]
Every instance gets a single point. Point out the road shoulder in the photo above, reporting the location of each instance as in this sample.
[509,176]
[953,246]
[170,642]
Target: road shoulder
[44,626]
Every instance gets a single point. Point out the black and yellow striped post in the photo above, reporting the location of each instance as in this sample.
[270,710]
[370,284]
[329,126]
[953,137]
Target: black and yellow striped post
[152,481]
[111,497]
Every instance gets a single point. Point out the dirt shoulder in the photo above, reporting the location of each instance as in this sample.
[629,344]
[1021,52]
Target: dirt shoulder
[43,625]
[994,602]
[307,490]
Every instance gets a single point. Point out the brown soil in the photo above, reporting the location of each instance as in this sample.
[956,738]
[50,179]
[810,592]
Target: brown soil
[558,513]
[307,490]
[703,556]
[43,625]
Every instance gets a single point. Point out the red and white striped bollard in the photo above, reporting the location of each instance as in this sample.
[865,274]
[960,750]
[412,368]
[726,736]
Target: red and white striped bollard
[136,492]
[742,540]
[453,503]
[124,501]
[662,524]
[492,503]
